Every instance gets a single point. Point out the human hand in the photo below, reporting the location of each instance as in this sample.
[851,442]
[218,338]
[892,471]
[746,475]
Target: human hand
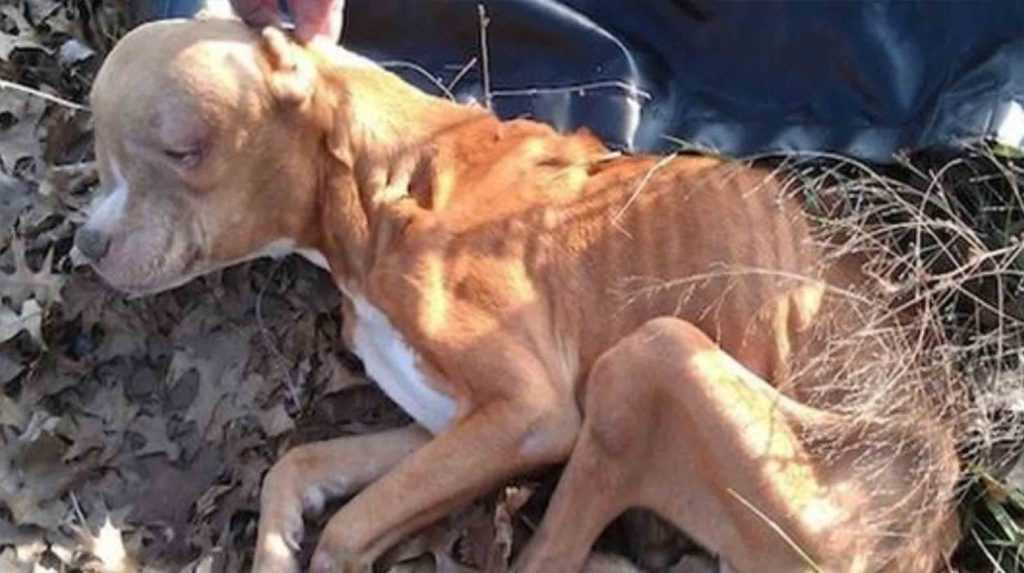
[313,18]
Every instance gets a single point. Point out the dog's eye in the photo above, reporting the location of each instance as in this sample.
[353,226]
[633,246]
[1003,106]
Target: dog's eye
[183,157]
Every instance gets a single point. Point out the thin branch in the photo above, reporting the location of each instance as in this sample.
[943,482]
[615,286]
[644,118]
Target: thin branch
[627,87]
[8,85]
[484,55]
[423,72]
[462,73]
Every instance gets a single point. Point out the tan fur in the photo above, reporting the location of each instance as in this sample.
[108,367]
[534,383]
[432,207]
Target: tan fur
[633,312]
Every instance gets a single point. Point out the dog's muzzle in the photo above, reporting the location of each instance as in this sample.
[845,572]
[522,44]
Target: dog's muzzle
[92,243]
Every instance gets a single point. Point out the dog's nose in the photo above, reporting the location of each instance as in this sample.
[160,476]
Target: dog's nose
[93,244]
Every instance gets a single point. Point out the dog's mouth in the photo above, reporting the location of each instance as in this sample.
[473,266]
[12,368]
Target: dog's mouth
[151,275]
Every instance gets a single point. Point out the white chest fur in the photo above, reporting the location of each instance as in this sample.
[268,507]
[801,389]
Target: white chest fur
[392,364]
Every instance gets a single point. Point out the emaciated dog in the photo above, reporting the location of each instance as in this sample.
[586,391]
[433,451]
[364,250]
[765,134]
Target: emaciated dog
[530,298]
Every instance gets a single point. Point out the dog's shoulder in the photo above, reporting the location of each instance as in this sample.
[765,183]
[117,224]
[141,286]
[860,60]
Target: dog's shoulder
[498,165]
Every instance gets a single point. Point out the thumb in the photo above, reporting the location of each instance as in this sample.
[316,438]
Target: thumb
[317,19]
[256,12]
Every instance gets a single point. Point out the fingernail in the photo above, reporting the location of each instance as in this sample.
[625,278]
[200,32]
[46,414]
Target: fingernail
[305,33]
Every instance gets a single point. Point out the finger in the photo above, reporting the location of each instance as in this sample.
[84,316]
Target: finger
[256,12]
[317,19]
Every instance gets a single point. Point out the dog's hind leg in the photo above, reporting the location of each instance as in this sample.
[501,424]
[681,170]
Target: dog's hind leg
[673,424]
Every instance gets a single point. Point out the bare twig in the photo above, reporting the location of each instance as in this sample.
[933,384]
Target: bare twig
[78,511]
[484,54]
[462,73]
[423,72]
[9,85]
[627,87]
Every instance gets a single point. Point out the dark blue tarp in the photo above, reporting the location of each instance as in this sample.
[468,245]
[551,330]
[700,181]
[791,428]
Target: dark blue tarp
[857,77]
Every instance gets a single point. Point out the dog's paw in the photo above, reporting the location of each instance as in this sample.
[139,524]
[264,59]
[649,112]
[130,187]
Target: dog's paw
[281,528]
[325,561]
[275,553]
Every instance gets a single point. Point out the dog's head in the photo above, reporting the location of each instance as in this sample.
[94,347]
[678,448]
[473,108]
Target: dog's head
[205,153]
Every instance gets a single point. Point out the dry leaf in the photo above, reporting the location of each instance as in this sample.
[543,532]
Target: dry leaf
[9,562]
[22,138]
[25,37]
[276,421]
[41,10]
[154,431]
[113,408]
[89,436]
[108,547]
[29,319]
[217,364]
[73,52]
[42,285]
[15,197]
[33,477]
[12,414]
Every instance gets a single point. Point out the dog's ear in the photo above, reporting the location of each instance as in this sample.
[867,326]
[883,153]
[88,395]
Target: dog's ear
[291,77]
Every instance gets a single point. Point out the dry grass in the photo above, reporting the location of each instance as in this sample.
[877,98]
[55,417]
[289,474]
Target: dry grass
[932,362]
[940,348]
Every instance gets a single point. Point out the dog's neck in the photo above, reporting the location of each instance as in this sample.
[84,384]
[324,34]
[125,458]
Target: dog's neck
[380,139]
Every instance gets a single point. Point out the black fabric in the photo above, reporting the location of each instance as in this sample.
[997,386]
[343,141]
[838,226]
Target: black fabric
[862,78]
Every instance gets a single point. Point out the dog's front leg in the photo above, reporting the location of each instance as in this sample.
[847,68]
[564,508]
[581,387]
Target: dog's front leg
[310,474]
[495,441]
